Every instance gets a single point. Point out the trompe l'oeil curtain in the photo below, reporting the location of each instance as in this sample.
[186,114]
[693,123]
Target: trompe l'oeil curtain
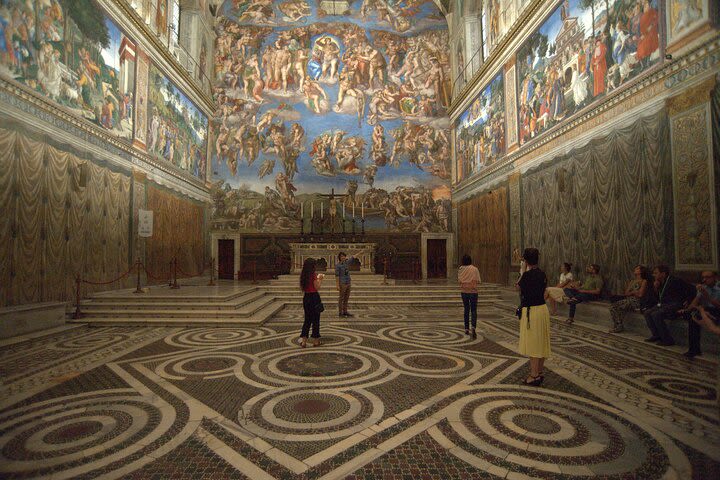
[61,215]
[609,202]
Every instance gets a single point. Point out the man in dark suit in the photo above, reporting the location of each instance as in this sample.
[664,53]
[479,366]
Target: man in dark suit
[673,294]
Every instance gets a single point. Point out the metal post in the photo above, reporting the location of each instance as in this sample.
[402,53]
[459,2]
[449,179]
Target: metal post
[175,285]
[137,287]
[78,313]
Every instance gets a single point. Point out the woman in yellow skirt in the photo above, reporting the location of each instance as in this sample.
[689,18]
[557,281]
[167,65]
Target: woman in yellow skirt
[535,317]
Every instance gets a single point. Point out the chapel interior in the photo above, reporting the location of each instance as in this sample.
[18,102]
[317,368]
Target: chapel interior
[167,167]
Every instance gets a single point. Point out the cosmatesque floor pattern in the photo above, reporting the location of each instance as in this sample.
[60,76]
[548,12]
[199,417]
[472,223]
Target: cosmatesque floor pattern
[391,394]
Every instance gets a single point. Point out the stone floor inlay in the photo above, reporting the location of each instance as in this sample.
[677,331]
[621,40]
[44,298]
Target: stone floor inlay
[392,393]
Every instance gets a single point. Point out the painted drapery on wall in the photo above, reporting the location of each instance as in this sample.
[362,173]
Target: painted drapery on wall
[480,131]
[62,215]
[607,203]
[584,50]
[177,129]
[75,55]
[177,233]
[315,96]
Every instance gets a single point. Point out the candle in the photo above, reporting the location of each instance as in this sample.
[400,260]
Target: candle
[321,209]
[353,209]
[362,210]
[343,211]
[301,209]
[312,210]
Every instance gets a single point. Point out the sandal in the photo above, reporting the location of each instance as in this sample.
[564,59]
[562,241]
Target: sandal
[303,343]
[535,382]
[474,335]
[316,343]
[569,321]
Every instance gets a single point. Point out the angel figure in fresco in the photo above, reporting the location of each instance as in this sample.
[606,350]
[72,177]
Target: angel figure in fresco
[314,95]
[297,137]
[295,10]
[266,168]
[369,174]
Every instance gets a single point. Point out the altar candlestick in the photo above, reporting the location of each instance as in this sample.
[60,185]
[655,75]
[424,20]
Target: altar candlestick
[353,209]
[343,211]
[312,210]
[302,205]
[362,210]
[321,210]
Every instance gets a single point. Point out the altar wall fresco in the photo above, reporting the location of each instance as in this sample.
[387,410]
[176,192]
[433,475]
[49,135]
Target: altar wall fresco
[315,96]
[72,53]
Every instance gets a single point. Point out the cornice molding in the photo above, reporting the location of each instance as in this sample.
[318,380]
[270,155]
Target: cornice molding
[147,40]
[675,75]
[23,103]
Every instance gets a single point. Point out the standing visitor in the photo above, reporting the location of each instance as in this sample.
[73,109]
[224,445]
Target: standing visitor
[342,275]
[469,278]
[534,317]
[310,283]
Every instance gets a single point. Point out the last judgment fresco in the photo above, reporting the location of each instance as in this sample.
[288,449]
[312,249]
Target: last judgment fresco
[329,97]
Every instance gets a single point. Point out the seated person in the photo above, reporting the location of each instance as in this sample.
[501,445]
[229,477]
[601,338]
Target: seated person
[708,297]
[639,294]
[589,290]
[673,294]
[555,294]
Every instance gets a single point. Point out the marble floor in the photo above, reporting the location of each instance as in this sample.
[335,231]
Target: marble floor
[393,393]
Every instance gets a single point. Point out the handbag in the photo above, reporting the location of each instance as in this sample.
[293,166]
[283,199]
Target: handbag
[518,312]
[319,307]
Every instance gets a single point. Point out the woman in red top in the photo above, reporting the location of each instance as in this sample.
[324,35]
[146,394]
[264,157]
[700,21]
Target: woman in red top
[312,305]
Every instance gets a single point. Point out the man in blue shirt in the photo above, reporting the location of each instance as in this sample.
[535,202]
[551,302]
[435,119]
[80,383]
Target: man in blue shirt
[708,297]
[342,274]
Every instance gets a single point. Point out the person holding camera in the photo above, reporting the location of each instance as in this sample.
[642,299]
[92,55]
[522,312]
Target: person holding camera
[534,317]
[310,283]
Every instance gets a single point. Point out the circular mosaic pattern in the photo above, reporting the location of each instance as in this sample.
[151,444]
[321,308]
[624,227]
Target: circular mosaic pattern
[319,364]
[383,316]
[311,408]
[327,366]
[88,341]
[217,337]
[310,415]
[65,430]
[535,423]
[428,335]
[203,365]
[682,388]
[334,339]
[533,432]
[426,363]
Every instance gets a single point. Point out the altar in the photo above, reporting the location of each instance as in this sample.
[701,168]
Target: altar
[364,252]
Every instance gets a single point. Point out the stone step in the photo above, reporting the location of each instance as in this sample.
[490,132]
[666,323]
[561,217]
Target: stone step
[152,304]
[163,295]
[129,312]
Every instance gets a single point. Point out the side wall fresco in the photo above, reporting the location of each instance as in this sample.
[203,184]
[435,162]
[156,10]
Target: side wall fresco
[74,54]
[310,101]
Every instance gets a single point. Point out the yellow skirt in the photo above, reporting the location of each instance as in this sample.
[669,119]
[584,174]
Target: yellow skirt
[535,341]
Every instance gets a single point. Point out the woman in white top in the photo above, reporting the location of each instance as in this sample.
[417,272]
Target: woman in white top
[555,294]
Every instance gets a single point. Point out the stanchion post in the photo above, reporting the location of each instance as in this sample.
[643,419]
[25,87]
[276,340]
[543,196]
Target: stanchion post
[137,287]
[175,285]
[212,273]
[78,313]
[385,272]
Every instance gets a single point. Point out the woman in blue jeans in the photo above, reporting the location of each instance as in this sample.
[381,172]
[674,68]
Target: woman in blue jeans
[469,278]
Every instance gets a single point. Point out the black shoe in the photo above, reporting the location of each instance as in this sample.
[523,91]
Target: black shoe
[467,332]
[666,343]
[692,354]
[652,339]
[474,335]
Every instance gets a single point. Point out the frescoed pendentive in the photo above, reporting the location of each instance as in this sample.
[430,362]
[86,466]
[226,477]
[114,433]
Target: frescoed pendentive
[480,132]
[321,97]
[583,51]
[75,55]
[177,129]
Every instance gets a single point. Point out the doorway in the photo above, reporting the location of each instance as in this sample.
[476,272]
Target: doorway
[436,258]
[226,259]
